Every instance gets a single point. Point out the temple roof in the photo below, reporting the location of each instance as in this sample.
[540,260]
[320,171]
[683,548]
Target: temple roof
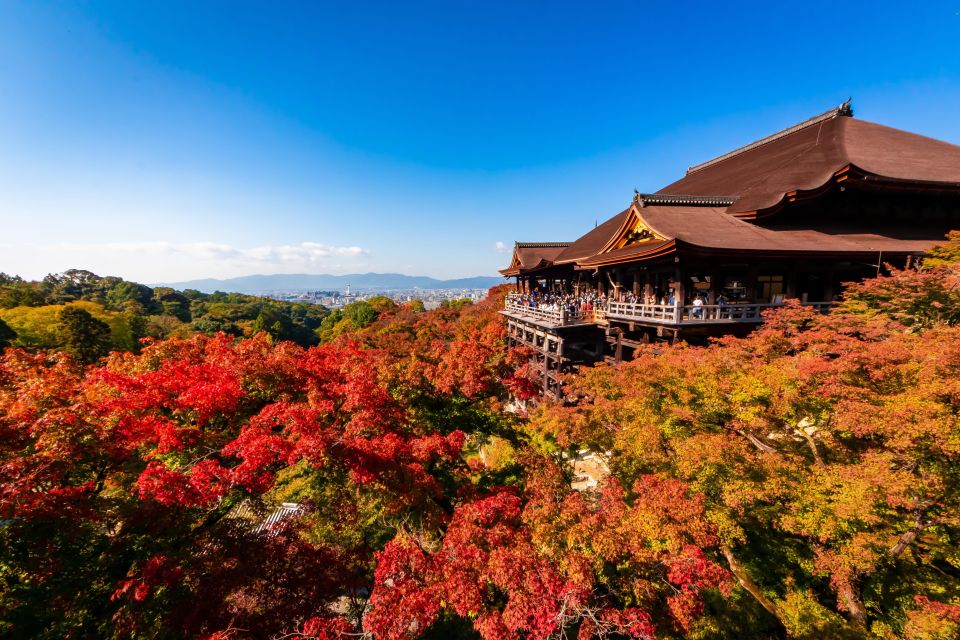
[710,206]
[711,227]
[533,255]
[808,155]
[593,241]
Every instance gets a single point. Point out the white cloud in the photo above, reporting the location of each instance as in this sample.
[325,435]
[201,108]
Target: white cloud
[286,253]
[305,252]
[500,247]
[167,261]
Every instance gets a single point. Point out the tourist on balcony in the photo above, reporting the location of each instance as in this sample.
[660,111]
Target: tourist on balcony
[697,311]
[722,311]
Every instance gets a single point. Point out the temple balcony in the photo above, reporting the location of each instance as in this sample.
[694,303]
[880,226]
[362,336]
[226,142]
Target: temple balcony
[547,317]
[646,314]
[689,315]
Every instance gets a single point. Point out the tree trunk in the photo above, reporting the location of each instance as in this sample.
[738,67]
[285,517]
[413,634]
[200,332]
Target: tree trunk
[858,613]
[752,587]
[908,536]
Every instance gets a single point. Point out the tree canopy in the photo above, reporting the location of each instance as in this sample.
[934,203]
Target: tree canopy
[135,311]
[797,483]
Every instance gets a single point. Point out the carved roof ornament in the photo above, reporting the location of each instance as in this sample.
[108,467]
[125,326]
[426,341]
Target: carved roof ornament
[664,199]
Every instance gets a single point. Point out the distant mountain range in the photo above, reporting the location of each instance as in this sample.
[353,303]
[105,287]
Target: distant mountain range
[325,282]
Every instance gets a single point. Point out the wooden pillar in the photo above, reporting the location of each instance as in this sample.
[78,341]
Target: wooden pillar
[618,356]
[546,373]
[752,284]
[715,287]
[681,286]
[790,281]
[828,284]
[680,294]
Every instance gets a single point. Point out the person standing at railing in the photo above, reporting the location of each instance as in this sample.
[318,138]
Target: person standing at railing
[722,306]
[697,311]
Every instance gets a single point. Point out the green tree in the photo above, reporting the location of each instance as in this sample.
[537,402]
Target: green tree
[456,305]
[329,327]
[120,294]
[87,338]
[7,335]
[172,303]
[360,314]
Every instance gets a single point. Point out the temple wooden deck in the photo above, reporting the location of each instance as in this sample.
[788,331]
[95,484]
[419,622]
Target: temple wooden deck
[645,314]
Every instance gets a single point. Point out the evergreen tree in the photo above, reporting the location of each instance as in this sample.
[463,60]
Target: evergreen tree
[7,335]
[87,338]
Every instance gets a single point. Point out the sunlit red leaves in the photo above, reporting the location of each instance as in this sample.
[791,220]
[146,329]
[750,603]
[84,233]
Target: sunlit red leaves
[201,487]
[403,603]
[486,569]
[529,567]
[448,350]
[147,446]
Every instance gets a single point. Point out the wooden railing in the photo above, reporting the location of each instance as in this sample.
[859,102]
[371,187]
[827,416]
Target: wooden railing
[698,314]
[559,316]
[661,313]
[655,313]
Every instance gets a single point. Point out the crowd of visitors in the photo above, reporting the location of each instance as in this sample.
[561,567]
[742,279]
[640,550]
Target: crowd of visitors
[587,302]
[575,305]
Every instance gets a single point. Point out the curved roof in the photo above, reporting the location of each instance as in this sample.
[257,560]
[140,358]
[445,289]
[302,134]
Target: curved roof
[734,187]
[808,156]
[533,255]
[593,241]
[713,228]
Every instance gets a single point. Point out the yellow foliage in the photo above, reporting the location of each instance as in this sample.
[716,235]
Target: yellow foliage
[39,327]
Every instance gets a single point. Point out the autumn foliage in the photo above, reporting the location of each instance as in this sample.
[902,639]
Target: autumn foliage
[800,482]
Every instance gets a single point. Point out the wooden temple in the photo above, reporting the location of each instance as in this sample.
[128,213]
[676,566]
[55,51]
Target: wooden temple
[792,216]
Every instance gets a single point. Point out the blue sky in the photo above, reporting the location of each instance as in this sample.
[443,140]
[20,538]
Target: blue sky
[168,140]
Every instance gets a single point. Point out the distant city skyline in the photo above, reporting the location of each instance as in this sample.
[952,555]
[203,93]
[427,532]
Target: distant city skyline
[179,141]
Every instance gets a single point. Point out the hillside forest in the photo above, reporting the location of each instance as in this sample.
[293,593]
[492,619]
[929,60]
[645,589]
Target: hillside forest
[224,467]
[89,315]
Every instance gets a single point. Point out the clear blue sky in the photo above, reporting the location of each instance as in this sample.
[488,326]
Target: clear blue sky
[171,140]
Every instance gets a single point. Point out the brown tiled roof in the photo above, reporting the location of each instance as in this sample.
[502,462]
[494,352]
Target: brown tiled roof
[594,240]
[533,255]
[638,250]
[711,227]
[758,177]
[806,158]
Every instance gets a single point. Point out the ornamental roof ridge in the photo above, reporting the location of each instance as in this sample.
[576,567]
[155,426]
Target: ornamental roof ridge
[843,110]
[644,199]
[538,245]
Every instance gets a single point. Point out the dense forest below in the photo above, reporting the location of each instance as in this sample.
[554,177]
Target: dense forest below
[391,476]
[89,315]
